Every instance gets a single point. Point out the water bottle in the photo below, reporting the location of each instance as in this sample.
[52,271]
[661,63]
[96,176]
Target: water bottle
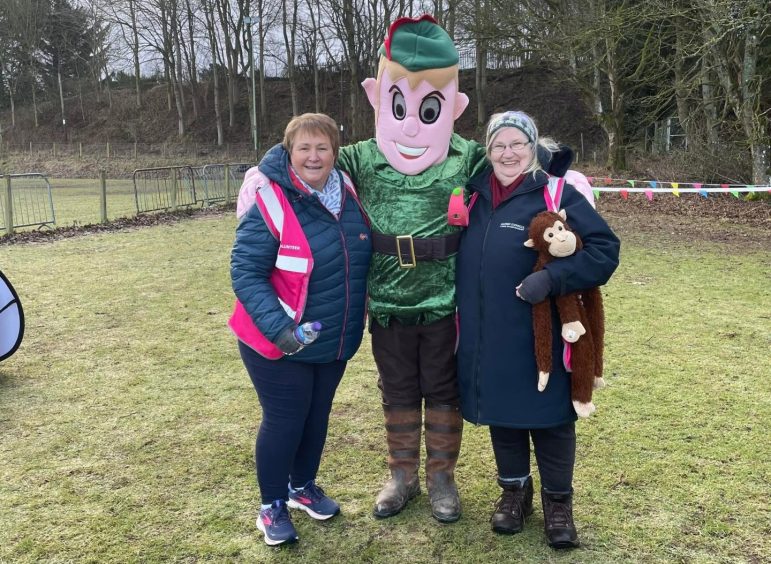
[308,332]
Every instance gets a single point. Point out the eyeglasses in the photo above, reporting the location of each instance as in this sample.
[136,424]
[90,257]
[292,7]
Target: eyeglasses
[515,146]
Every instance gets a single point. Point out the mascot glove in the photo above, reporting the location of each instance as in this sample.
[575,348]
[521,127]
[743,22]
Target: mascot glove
[286,341]
[535,287]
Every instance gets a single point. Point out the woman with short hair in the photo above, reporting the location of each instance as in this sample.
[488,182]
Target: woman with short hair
[300,259]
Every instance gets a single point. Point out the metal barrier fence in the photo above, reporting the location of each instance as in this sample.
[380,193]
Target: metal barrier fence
[220,182]
[164,188]
[26,201]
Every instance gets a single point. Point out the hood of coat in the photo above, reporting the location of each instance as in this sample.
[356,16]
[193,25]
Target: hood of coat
[275,165]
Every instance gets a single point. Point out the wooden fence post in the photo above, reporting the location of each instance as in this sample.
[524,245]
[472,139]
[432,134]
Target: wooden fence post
[103,195]
[8,206]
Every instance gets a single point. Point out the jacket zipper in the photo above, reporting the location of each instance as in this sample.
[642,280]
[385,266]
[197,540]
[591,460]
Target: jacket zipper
[347,273]
[481,309]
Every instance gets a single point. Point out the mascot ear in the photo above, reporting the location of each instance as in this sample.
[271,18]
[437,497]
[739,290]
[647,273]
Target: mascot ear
[370,87]
[563,214]
[529,243]
[461,103]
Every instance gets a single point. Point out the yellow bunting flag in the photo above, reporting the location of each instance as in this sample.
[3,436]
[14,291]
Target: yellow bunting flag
[675,191]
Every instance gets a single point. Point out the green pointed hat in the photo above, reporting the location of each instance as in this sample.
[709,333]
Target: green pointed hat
[418,44]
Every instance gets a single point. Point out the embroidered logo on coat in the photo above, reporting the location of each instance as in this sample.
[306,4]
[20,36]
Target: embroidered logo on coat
[363,236]
[516,226]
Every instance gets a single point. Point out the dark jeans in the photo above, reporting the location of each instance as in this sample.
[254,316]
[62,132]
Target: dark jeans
[416,362]
[555,453]
[296,398]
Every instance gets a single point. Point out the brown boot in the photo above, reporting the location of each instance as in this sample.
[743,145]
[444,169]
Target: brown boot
[558,520]
[444,429]
[403,437]
[515,503]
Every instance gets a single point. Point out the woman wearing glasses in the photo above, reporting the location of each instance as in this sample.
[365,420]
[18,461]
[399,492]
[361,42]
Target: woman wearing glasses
[496,288]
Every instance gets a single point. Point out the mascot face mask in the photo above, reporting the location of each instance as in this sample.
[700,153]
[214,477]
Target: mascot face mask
[415,96]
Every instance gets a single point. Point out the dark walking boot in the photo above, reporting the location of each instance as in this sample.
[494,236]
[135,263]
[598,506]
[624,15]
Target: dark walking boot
[515,503]
[558,520]
[444,430]
[403,437]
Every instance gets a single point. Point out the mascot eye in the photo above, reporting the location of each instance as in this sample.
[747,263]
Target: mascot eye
[399,106]
[430,109]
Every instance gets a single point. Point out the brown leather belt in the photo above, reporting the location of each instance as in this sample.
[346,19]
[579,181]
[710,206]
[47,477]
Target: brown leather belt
[409,249]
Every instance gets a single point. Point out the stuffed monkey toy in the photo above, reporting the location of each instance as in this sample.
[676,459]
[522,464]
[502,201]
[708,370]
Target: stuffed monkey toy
[581,314]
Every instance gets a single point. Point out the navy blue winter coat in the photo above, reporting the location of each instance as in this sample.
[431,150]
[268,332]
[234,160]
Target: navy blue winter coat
[337,290]
[496,352]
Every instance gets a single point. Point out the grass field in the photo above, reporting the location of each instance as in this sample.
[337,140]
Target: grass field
[76,201]
[127,419]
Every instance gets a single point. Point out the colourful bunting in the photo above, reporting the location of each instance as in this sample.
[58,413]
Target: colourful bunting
[724,186]
[735,193]
[608,180]
[652,183]
[631,183]
[674,185]
[697,185]
[649,195]
[596,194]
[703,193]
[590,179]
[624,194]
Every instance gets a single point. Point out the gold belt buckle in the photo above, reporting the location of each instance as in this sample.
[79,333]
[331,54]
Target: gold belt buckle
[403,264]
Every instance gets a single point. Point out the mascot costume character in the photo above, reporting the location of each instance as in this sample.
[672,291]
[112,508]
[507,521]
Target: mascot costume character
[405,178]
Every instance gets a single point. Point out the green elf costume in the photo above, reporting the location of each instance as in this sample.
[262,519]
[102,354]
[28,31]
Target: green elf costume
[405,178]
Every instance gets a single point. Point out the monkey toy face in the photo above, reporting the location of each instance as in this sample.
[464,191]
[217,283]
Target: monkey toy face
[560,241]
[550,234]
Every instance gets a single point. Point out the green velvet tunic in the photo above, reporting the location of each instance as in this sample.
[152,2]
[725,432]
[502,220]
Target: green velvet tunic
[398,204]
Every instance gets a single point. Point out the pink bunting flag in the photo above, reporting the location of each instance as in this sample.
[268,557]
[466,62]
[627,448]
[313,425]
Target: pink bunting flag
[649,195]
[724,186]
[624,194]
[697,185]
[590,179]
[609,180]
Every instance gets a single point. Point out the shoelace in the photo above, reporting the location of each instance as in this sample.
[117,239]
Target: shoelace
[314,492]
[510,500]
[560,514]
[279,514]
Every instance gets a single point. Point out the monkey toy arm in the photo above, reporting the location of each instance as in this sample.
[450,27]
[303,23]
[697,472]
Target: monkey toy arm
[542,334]
[568,307]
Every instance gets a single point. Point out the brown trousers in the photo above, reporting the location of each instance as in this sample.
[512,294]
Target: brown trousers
[416,362]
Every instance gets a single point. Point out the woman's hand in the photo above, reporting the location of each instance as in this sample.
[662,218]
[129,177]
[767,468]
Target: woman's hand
[286,341]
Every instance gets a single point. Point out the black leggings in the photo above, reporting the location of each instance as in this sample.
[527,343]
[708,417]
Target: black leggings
[555,453]
[296,398]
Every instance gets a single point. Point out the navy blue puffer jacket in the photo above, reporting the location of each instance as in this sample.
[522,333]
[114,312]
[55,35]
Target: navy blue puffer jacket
[337,290]
[496,353]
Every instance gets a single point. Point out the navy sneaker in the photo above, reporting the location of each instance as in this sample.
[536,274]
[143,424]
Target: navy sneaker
[276,524]
[313,501]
